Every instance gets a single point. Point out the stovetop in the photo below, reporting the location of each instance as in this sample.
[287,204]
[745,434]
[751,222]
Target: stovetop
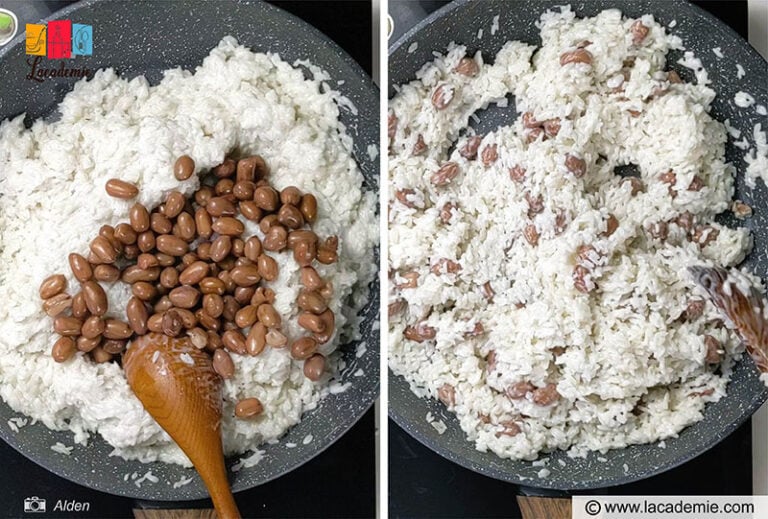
[340,482]
[424,484]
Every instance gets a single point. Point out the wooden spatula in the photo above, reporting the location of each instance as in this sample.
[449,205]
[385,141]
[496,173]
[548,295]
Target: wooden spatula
[746,309]
[177,385]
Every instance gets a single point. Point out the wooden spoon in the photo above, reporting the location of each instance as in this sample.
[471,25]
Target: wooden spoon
[745,308]
[177,385]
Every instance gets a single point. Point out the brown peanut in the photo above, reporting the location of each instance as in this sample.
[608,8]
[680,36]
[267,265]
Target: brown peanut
[194,273]
[314,367]
[92,327]
[276,238]
[81,269]
[63,349]
[106,273]
[268,315]
[79,308]
[243,190]
[266,198]
[639,32]
[248,408]
[220,206]
[308,208]
[305,252]
[467,67]
[52,285]
[67,326]
[256,340]
[160,223]
[444,175]
[329,324]
[184,296]
[267,267]
[291,195]
[310,278]
[224,170]
[137,315]
[85,344]
[250,210]
[171,323]
[252,168]
[103,250]
[120,189]
[95,298]
[146,241]
[212,285]
[276,339]
[246,316]
[442,96]
[139,218]
[303,348]
[133,274]
[222,364]
[203,222]
[311,322]
[228,226]
[172,245]
[169,277]
[290,216]
[113,346]
[311,301]
[116,329]
[57,304]
[576,56]
[234,341]
[243,295]
[184,167]
[155,323]
[213,305]
[203,195]
[246,275]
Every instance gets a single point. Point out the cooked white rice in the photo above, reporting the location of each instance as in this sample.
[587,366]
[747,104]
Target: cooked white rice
[627,368]
[53,202]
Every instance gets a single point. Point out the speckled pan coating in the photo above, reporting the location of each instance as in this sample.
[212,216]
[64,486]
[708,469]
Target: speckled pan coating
[147,38]
[700,32]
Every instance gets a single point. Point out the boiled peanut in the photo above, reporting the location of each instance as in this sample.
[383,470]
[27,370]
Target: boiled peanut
[81,269]
[222,364]
[120,189]
[63,349]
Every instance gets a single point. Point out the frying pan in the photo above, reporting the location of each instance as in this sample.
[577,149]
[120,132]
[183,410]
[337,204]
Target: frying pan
[459,22]
[146,38]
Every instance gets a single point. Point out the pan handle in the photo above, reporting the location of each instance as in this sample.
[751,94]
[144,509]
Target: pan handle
[544,507]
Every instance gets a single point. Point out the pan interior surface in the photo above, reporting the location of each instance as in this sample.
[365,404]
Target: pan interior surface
[460,22]
[146,38]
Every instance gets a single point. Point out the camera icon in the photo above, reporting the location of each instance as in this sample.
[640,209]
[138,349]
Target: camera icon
[34,505]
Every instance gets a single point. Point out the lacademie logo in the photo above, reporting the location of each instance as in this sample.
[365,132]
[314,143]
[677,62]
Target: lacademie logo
[58,39]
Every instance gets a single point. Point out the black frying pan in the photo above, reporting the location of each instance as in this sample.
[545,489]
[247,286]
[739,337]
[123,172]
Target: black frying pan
[459,22]
[146,38]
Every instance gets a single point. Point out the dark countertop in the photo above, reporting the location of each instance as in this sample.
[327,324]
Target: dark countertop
[423,484]
[341,481]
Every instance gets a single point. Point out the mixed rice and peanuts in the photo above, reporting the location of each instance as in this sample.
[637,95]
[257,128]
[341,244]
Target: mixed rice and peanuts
[685,226]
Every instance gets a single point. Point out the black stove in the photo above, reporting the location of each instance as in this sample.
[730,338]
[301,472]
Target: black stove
[424,484]
[340,482]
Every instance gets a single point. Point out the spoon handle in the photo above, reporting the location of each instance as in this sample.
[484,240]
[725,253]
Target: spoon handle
[214,475]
